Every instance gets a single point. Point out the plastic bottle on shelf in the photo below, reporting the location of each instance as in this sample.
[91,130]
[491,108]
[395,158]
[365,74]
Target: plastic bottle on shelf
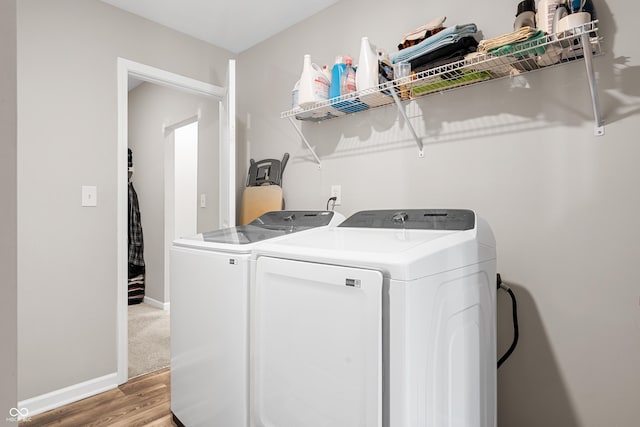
[348,78]
[314,85]
[336,77]
[525,15]
[385,67]
[367,75]
[546,13]
[294,96]
[327,72]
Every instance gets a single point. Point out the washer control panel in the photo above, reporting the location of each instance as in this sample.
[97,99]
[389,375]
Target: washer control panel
[298,218]
[269,225]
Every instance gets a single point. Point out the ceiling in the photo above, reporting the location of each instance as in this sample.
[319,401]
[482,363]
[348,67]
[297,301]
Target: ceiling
[232,25]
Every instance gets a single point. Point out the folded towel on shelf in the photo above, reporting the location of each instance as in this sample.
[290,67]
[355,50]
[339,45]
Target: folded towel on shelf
[520,35]
[444,55]
[466,78]
[535,45]
[445,37]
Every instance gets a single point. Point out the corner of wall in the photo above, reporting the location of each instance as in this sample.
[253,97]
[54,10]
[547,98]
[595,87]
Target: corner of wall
[8,215]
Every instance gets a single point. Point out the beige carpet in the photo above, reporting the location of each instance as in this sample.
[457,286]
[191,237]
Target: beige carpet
[148,339]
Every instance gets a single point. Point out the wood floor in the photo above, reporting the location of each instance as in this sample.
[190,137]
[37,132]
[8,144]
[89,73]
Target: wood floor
[143,401]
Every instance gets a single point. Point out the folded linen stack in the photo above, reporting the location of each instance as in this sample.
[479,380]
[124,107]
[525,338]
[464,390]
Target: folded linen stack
[504,44]
[530,48]
[449,45]
[443,38]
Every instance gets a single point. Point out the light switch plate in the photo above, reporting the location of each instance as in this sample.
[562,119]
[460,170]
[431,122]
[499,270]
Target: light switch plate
[89,195]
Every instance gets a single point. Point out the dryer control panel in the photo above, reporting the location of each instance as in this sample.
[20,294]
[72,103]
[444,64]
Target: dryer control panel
[414,219]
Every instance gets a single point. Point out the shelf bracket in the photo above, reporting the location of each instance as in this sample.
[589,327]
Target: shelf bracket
[588,60]
[304,139]
[406,119]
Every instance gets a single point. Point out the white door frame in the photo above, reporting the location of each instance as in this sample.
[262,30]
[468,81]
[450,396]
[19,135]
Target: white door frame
[127,68]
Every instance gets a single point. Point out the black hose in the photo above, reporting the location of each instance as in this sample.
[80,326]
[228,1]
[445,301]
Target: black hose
[514,309]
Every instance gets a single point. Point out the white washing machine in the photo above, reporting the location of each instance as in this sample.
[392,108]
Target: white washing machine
[387,320]
[209,316]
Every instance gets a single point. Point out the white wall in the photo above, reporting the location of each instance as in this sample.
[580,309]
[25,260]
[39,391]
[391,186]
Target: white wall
[563,203]
[150,108]
[67,127]
[8,217]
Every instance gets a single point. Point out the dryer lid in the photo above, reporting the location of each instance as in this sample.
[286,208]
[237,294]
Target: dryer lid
[413,219]
[423,243]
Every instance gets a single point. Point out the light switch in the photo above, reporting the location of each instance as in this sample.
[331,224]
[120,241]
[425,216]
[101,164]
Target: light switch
[203,200]
[89,195]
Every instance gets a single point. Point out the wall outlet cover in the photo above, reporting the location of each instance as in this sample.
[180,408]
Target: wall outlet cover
[336,191]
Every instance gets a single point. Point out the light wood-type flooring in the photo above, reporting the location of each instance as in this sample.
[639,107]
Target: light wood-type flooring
[143,401]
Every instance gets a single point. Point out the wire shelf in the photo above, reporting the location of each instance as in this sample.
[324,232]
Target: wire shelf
[512,60]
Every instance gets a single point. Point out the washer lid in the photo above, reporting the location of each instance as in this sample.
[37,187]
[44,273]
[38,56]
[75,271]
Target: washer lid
[245,234]
[268,226]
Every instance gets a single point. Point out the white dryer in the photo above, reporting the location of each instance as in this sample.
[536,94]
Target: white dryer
[209,316]
[387,320]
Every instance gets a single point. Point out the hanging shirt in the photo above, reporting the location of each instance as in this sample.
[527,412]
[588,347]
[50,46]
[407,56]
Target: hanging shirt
[136,243]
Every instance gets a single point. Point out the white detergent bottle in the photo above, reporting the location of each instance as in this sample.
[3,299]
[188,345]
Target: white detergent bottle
[546,13]
[367,74]
[327,72]
[314,85]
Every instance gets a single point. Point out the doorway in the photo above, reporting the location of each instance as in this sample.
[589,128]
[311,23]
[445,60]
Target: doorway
[226,178]
[164,160]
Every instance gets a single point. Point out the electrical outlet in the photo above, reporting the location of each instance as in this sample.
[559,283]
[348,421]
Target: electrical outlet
[336,191]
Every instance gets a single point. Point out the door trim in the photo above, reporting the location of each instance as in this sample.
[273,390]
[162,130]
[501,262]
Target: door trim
[126,68]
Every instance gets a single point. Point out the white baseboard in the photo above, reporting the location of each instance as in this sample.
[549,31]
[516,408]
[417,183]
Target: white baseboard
[157,304]
[55,399]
